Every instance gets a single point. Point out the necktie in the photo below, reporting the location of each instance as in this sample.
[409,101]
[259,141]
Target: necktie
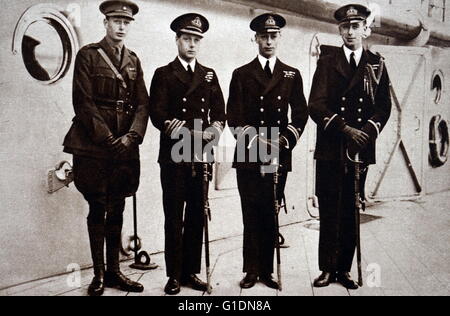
[118,54]
[353,62]
[267,70]
[190,72]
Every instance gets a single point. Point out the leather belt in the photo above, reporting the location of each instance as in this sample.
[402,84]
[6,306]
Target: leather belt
[119,106]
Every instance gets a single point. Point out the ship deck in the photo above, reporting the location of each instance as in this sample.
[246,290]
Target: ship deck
[405,252]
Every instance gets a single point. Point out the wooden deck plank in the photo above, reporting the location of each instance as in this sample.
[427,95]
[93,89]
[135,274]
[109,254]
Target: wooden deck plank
[154,282]
[415,271]
[393,279]
[367,250]
[409,241]
[227,273]
[295,271]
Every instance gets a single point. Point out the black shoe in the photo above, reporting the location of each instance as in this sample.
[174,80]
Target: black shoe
[194,282]
[97,287]
[249,281]
[269,281]
[121,282]
[172,287]
[325,279]
[346,280]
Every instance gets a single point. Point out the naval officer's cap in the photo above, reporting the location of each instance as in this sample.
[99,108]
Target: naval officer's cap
[119,8]
[268,23]
[190,23]
[352,13]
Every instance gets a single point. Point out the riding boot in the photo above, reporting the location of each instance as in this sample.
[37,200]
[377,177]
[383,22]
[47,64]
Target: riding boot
[97,237]
[113,277]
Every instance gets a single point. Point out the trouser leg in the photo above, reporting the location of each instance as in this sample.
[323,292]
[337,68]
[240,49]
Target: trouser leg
[249,203]
[328,182]
[347,242]
[173,186]
[268,232]
[259,219]
[193,226]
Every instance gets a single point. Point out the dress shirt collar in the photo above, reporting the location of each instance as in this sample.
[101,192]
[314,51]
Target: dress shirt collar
[358,54]
[272,62]
[185,63]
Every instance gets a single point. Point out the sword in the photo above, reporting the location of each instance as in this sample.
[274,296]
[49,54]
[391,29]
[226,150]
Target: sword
[207,218]
[276,181]
[359,206]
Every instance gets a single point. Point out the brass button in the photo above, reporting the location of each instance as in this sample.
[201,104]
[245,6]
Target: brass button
[360,110]
[361,100]
[184,110]
[203,110]
[279,98]
[203,100]
[360,120]
[344,98]
[184,100]
[279,110]
[262,98]
[262,110]
[343,109]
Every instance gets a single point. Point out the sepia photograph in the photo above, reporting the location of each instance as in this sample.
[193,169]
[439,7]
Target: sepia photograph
[225,154]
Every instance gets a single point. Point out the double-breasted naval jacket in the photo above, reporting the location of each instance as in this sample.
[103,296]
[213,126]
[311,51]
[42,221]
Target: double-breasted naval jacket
[257,101]
[174,95]
[338,98]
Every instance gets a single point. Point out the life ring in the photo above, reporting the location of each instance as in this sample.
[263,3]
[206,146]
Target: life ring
[439,141]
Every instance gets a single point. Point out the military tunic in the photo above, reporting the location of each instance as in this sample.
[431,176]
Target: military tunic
[104,107]
[258,101]
[339,98]
[174,95]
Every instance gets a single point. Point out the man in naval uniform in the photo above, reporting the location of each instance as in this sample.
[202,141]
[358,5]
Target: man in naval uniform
[111,108]
[185,96]
[261,95]
[350,102]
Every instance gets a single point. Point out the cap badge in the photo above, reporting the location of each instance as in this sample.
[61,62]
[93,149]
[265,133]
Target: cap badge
[197,22]
[271,21]
[352,11]
[125,9]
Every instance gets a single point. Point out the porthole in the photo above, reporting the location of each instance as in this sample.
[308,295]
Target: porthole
[437,86]
[46,41]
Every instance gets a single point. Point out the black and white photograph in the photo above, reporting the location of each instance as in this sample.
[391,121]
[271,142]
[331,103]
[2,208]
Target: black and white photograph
[225,154]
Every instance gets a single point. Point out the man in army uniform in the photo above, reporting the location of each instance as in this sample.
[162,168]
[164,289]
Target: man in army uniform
[185,96]
[261,95]
[111,106]
[350,102]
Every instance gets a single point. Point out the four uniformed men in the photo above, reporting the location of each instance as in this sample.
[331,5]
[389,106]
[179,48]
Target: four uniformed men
[267,109]
[350,102]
